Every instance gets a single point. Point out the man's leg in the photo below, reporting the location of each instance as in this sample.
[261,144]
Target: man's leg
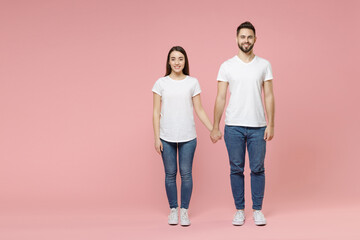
[235,140]
[257,148]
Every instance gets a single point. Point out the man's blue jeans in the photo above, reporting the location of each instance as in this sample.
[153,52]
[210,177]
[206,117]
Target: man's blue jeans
[237,138]
[186,156]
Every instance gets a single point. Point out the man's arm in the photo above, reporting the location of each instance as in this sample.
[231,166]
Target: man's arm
[270,109]
[220,102]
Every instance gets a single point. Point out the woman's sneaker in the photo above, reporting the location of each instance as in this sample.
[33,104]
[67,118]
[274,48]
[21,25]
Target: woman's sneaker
[173,218]
[259,218]
[184,217]
[239,218]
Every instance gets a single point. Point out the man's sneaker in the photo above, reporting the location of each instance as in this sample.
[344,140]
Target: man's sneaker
[173,218]
[259,218]
[184,217]
[239,218]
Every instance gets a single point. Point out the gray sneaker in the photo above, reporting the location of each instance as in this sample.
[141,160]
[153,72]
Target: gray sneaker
[239,218]
[184,217]
[259,218]
[173,218]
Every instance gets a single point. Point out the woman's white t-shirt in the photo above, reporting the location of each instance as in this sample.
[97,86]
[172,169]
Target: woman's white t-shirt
[177,118]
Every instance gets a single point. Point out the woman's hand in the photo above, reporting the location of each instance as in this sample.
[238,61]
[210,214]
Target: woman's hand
[158,146]
[215,135]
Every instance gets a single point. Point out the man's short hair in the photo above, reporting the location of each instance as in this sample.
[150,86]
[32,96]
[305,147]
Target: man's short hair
[245,25]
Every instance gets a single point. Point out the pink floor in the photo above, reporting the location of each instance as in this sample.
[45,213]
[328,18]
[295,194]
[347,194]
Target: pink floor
[330,222]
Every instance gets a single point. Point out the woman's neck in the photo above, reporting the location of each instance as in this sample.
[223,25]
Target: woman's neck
[177,76]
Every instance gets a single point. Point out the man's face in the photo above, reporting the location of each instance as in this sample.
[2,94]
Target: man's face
[246,40]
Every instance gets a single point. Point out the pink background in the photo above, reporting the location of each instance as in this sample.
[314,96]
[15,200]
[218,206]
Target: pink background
[76,134]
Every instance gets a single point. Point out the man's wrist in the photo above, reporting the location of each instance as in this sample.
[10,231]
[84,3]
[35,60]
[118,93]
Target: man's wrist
[215,128]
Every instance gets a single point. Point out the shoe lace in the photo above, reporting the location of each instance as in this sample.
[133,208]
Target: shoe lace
[172,214]
[238,214]
[259,214]
[184,214]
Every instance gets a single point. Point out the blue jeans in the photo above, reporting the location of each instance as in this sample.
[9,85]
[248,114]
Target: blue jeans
[186,156]
[237,138]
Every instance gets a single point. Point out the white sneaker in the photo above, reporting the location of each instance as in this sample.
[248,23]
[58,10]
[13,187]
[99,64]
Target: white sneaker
[173,218]
[239,218]
[184,217]
[259,218]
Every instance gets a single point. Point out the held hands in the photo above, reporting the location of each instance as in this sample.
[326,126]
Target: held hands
[269,133]
[158,146]
[215,135]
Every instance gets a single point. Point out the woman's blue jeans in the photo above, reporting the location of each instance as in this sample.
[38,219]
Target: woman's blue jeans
[237,138]
[186,156]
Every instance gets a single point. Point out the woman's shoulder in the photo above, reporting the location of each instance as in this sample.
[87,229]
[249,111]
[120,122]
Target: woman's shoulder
[161,80]
[191,78]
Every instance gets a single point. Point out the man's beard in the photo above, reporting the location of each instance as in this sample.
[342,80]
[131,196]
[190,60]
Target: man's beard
[246,50]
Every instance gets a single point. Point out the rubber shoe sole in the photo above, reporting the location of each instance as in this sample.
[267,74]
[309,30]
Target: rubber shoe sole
[238,223]
[260,223]
[173,223]
[185,224]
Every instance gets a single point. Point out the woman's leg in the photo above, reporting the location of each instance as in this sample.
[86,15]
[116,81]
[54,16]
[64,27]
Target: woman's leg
[186,156]
[169,156]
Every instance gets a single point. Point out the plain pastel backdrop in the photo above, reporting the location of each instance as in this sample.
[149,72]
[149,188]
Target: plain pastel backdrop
[76,103]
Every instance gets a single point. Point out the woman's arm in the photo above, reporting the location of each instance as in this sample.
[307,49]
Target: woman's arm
[156,122]
[200,112]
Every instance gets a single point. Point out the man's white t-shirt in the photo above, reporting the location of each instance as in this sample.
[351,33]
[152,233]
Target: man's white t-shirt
[245,80]
[177,118]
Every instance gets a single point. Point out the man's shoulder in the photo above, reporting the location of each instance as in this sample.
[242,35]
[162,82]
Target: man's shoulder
[262,60]
[229,61]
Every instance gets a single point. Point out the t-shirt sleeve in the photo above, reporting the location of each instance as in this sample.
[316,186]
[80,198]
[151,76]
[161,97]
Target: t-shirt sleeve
[268,73]
[222,74]
[157,88]
[197,88]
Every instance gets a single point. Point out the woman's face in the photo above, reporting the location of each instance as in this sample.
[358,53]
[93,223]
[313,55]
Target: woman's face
[177,61]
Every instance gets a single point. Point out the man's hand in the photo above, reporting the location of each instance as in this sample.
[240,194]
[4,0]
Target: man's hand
[269,133]
[215,135]
[158,146]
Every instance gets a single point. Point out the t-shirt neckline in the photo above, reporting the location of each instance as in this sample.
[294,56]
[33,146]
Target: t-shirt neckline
[177,80]
[241,61]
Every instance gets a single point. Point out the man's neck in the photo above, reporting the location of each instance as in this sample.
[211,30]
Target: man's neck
[246,57]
